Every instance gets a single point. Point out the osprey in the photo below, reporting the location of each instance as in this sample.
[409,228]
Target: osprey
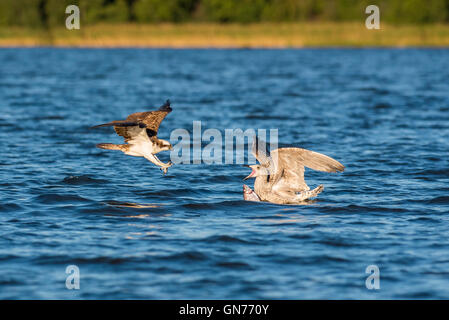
[140,133]
[280,174]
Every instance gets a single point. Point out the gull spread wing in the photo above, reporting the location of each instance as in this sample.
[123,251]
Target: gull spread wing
[260,152]
[290,162]
[313,160]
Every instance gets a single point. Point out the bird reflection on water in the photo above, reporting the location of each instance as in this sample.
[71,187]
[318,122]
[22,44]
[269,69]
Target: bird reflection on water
[131,204]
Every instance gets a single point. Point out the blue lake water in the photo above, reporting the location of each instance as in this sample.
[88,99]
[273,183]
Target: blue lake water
[383,113]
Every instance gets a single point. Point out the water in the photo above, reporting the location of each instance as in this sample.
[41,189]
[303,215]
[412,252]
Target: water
[383,113]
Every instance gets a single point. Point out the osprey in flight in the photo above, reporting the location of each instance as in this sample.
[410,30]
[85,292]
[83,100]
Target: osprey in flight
[140,133]
[280,174]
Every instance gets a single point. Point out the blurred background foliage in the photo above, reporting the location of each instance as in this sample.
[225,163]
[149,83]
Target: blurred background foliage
[51,13]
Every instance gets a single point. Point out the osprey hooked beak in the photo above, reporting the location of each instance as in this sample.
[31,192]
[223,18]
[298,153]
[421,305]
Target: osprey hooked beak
[252,172]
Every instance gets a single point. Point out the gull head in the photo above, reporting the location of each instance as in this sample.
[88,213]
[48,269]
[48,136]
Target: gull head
[257,171]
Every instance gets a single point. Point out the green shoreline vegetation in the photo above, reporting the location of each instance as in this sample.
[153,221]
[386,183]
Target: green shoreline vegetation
[284,35]
[225,23]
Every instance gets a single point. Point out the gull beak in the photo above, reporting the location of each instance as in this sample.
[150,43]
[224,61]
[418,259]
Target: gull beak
[251,174]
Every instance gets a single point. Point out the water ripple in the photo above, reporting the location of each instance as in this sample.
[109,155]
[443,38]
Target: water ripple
[136,233]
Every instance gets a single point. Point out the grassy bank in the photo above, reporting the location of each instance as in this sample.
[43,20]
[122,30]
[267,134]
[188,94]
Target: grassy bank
[230,35]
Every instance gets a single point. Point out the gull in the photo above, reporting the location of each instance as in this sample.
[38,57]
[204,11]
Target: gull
[249,194]
[279,178]
[140,133]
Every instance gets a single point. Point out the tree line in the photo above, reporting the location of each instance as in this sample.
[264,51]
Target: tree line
[51,13]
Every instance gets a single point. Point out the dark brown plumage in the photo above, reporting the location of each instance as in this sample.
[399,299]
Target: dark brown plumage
[135,122]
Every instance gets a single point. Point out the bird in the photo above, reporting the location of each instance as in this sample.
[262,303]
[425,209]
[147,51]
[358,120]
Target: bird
[249,194]
[139,131]
[279,178]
